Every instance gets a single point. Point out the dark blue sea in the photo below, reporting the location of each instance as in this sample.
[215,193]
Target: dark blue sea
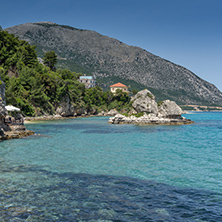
[88,170]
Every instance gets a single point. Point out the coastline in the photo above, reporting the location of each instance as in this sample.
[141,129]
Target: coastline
[44,118]
[16,134]
[28,120]
[58,117]
[35,119]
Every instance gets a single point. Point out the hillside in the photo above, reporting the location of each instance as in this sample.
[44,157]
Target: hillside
[109,59]
[39,89]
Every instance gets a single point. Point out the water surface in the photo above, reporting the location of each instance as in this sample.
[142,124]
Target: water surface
[88,170]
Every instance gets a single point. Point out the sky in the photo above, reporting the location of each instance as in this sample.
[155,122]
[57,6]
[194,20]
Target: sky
[185,32]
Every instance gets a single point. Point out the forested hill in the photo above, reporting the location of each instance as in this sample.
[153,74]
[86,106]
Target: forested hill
[39,89]
[111,60]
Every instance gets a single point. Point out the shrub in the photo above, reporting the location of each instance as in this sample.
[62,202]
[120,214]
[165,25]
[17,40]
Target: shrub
[160,103]
[138,115]
[125,114]
[148,94]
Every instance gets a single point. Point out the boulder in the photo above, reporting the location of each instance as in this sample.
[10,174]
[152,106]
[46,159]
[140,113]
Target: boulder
[80,112]
[112,112]
[65,108]
[144,101]
[168,113]
[169,109]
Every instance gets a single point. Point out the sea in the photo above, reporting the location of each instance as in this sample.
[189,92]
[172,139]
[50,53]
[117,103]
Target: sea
[85,169]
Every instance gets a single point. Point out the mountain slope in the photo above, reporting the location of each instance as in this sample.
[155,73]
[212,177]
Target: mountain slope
[92,53]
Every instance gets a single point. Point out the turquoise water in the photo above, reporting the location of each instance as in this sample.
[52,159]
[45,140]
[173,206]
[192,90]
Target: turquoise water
[87,170]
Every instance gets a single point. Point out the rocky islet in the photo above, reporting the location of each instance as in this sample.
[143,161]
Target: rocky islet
[147,111]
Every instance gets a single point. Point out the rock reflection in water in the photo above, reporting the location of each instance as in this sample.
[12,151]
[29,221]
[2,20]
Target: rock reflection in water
[40,195]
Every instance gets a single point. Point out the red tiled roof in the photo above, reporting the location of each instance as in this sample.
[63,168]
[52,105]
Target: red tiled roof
[118,85]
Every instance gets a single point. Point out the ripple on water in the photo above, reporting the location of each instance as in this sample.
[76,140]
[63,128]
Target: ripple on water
[48,196]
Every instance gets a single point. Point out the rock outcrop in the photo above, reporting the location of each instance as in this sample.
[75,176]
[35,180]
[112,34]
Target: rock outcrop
[169,109]
[148,119]
[112,112]
[3,111]
[168,112]
[65,108]
[9,131]
[144,101]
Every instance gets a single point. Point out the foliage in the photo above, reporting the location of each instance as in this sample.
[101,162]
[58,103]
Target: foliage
[40,89]
[125,114]
[50,60]
[138,115]
[134,91]
[159,103]
[15,53]
[149,95]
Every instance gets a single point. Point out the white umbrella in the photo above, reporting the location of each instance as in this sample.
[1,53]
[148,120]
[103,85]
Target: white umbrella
[12,108]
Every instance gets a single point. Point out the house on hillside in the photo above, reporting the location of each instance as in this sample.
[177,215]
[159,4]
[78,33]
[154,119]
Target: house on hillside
[119,86]
[88,81]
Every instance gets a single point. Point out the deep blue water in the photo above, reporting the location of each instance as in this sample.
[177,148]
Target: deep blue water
[88,170]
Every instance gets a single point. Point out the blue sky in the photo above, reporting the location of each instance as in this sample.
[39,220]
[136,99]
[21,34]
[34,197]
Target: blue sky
[186,32]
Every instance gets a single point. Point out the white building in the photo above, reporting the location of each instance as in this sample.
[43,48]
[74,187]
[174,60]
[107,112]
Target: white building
[89,81]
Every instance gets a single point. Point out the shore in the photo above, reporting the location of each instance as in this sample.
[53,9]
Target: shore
[43,118]
[15,132]
[57,117]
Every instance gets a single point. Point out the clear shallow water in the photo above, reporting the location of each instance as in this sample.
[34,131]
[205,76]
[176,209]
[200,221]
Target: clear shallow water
[88,170]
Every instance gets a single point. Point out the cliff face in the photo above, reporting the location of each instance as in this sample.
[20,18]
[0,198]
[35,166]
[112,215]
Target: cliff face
[3,111]
[90,52]
[12,131]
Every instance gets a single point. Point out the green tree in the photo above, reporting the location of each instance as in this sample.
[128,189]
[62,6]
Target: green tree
[16,53]
[134,91]
[50,60]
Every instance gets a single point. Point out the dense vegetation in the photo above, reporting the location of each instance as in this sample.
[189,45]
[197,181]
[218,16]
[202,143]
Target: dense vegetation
[38,89]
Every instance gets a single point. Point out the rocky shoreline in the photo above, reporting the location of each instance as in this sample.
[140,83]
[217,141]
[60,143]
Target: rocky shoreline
[57,117]
[147,111]
[149,119]
[15,132]
[144,110]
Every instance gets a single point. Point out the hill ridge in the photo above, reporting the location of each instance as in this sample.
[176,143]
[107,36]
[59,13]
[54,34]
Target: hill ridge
[108,58]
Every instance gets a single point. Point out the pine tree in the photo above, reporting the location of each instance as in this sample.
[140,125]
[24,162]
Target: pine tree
[50,60]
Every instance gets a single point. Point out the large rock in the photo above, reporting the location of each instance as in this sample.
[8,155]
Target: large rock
[112,112]
[65,108]
[168,113]
[144,101]
[169,109]
[148,119]
[3,111]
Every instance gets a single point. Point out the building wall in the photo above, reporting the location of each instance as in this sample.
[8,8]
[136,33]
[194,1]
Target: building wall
[89,83]
[113,89]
